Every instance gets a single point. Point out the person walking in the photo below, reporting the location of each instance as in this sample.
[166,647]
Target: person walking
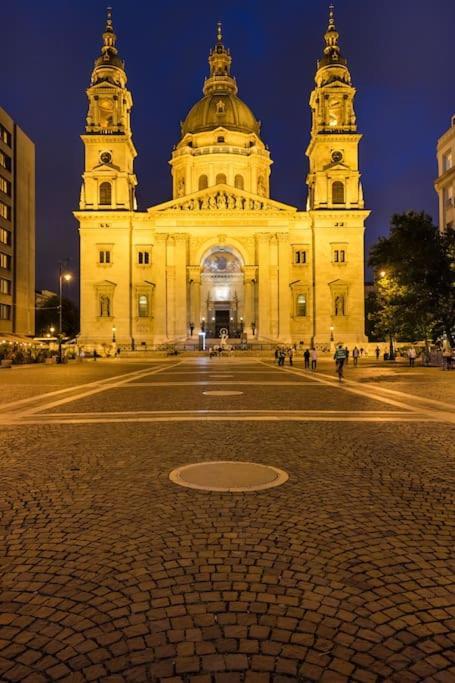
[314,358]
[412,356]
[378,352]
[347,354]
[340,359]
[355,356]
[306,358]
[291,355]
[277,356]
[282,357]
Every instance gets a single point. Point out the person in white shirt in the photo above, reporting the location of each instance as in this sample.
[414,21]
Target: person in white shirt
[314,358]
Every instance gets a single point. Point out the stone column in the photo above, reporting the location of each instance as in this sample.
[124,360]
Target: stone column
[194,278]
[284,308]
[160,294]
[263,298]
[180,292]
[249,312]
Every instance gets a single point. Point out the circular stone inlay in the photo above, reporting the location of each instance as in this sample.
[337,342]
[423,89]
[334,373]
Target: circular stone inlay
[228,475]
[222,393]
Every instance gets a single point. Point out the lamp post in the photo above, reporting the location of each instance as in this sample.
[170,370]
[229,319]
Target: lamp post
[113,334]
[62,276]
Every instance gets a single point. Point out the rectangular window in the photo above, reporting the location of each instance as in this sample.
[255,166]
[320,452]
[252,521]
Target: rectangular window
[105,256]
[5,186]
[5,161]
[5,135]
[299,257]
[339,256]
[5,261]
[5,236]
[143,306]
[143,258]
[5,312]
[5,211]
[5,286]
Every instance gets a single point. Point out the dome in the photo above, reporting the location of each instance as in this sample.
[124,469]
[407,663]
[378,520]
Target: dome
[223,109]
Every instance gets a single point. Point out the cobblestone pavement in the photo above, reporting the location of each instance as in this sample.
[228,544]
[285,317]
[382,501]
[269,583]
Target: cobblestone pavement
[110,572]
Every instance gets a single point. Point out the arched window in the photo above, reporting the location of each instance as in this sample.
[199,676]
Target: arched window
[238,182]
[203,182]
[340,305]
[221,179]
[337,193]
[105,306]
[105,194]
[143,306]
[300,305]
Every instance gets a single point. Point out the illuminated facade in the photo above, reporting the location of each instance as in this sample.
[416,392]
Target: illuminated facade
[445,183]
[222,253]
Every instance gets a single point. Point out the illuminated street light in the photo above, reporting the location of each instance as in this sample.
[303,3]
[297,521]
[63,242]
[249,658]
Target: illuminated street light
[67,277]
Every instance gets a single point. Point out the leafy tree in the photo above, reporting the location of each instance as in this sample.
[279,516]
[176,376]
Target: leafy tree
[47,316]
[416,290]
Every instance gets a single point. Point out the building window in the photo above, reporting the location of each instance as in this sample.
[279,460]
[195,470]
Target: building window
[105,194]
[5,236]
[220,139]
[5,161]
[299,257]
[5,211]
[5,186]
[5,135]
[5,261]
[221,179]
[447,162]
[300,307]
[340,305]
[5,312]
[338,193]
[203,182]
[143,258]
[104,256]
[238,182]
[105,307]
[339,255]
[143,306]
[5,286]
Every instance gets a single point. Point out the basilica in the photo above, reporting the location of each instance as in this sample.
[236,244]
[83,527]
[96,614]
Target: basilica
[222,256]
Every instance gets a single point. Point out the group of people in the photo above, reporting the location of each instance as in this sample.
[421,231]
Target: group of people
[283,352]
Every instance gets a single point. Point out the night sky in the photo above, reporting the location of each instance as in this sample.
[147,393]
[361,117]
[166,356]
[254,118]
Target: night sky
[401,60]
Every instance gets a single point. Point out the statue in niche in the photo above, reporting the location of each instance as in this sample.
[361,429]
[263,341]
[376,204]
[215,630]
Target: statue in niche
[181,187]
[221,203]
[231,201]
[238,202]
[105,306]
[212,202]
[339,305]
[204,204]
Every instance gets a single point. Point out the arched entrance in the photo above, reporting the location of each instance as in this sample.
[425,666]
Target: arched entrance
[222,292]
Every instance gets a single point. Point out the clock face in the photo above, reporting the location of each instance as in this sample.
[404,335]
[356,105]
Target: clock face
[106,157]
[337,157]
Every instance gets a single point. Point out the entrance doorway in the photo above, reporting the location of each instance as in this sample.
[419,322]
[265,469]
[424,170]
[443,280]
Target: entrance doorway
[222,321]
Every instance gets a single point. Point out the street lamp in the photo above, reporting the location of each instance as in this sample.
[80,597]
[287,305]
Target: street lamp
[331,333]
[62,276]
[113,334]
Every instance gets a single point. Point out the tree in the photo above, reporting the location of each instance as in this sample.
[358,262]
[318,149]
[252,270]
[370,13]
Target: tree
[416,283]
[47,317]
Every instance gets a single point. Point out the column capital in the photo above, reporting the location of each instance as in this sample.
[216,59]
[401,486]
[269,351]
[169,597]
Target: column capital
[282,237]
[250,273]
[263,237]
[161,236]
[194,273]
[180,236]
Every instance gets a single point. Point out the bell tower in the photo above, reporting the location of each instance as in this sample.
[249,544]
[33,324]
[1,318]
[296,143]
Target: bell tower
[334,179]
[108,181]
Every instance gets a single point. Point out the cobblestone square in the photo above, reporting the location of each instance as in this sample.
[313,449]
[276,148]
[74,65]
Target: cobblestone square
[111,572]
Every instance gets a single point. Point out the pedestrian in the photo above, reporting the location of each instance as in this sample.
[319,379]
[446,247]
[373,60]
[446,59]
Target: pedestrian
[314,358]
[306,358]
[277,355]
[361,350]
[347,354]
[447,358]
[282,357]
[95,354]
[291,355]
[340,359]
[355,355]
[117,353]
[191,329]
[412,356]
[378,352]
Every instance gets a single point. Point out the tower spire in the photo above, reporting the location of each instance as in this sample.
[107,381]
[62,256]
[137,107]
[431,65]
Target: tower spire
[220,60]
[109,66]
[219,33]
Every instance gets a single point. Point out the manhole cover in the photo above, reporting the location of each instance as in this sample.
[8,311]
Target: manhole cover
[222,393]
[228,475]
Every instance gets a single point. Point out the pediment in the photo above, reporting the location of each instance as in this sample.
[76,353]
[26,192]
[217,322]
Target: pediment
[223,198]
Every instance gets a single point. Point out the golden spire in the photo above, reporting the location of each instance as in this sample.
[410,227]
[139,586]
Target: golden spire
[220,60]
[332,48]
[109,37]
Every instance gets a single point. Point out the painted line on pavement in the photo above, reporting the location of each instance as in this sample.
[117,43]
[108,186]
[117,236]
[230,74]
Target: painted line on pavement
[95,390]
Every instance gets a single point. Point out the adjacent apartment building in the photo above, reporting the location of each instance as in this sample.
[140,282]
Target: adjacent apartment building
[17,229]
[445,183]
